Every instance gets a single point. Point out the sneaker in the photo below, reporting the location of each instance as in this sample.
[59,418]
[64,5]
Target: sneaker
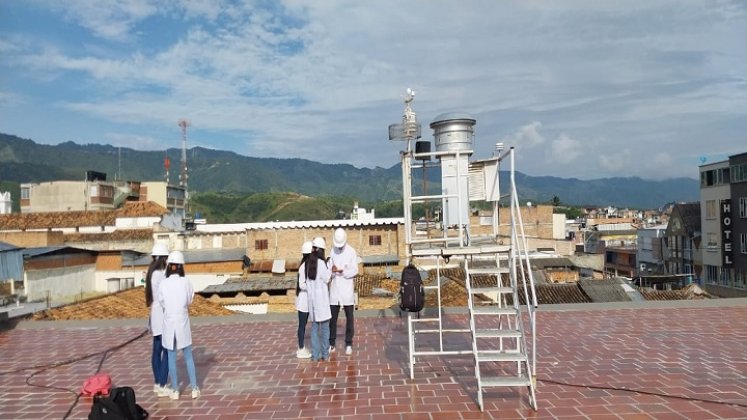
[164,391]
[157,389]
[349,350]
[303,353]
[195,393]
[331,349]
[173,394]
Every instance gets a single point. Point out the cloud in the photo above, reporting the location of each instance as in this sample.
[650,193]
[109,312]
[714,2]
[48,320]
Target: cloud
[526,136]
[564,149]
[617,160]
[273,78]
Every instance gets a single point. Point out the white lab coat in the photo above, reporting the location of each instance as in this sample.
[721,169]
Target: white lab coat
[341,290]
[175,295]
[156,310]
[317,291]
[302,299]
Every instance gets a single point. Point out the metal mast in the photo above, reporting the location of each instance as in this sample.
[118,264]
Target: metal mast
[183,175]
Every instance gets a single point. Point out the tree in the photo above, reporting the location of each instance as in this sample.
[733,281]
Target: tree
[555,201]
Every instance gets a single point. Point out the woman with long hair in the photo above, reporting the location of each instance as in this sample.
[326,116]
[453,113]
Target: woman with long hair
[159,360]
[175,295]
[302,305]
[315,279]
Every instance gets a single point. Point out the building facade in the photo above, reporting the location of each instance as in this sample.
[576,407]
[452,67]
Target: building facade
[682,241]
[723,202]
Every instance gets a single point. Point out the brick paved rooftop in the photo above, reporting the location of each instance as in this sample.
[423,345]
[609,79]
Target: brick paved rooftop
[247,368]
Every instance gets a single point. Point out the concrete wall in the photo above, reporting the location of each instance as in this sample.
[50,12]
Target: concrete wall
[286,243]
[32,239]
[61,283]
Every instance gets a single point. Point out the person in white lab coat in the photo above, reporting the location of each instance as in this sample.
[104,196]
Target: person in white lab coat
[159,359]
[302,305]
[175,295]
[344,261]
[315,279]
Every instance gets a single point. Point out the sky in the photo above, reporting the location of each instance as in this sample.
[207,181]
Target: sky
[581,89]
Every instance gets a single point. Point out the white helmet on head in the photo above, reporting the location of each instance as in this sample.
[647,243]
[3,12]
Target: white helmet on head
[340,238]
[159,250]
[319,242]
[176,257]
[306,247]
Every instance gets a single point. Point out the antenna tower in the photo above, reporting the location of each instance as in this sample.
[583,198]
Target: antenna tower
[183,124]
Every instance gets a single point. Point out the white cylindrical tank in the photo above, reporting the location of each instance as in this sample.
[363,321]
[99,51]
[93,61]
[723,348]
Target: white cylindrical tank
[454,132]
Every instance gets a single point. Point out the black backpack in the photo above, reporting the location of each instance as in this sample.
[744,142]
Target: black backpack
[411,291]
[119,405]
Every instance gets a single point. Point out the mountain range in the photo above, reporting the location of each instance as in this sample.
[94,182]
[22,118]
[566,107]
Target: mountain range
[23,160]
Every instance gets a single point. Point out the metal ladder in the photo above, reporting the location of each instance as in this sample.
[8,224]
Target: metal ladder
[497,330]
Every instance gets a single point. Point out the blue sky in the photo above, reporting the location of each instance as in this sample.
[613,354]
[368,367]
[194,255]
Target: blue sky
[583,89]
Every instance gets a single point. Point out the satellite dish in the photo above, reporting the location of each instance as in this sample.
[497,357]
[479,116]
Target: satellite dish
[703,159]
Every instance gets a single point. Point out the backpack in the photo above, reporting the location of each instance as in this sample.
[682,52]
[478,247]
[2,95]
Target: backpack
[411,291]
[119,405]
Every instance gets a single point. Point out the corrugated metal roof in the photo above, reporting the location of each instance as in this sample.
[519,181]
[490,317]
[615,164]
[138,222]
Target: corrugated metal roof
[380,259]
[7,247]
[253,285]
[33,252]
[241,227]
[203,255]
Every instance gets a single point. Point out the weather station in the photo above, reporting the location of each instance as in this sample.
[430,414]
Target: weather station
[501,323]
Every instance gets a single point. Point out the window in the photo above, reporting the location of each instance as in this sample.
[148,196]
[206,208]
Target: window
[743,243]
[711,274]
[710,209]
[740,279]
[743,207]
[25,193]
[261,244]
[725,277]
[94,191]
[739,173]
[374,240]
[712,241]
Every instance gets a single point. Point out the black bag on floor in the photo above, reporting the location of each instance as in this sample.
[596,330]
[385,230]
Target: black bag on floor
[119,405]
[411,291]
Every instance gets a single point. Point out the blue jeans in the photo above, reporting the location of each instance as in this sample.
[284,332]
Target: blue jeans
[319,347]
[159,361]
[187,352]
[303,317]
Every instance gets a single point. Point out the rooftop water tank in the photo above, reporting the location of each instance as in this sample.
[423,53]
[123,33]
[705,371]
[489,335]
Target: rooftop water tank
[453,131]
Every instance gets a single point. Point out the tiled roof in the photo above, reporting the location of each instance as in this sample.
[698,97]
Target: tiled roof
[691,292]
[604,290]
[590,364]
[241,227]
[128,303]
[141,209]
[117,235]
[62,219]
[690,215]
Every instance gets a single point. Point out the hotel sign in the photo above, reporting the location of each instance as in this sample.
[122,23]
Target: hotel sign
[726,239]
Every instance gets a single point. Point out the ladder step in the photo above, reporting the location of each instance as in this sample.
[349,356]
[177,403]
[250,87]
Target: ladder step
[498,333]
[488,271]
[476,290]
[499,356]
[430,287]
[489,382]
[424,320]
[493,310]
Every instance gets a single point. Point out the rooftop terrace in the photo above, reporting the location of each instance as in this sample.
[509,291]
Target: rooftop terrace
[246,365]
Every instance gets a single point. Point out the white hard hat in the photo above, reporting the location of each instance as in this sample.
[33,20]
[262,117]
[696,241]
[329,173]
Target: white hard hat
[306,247]
[176,257]
[319,242]
[340,238]
[159,249]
